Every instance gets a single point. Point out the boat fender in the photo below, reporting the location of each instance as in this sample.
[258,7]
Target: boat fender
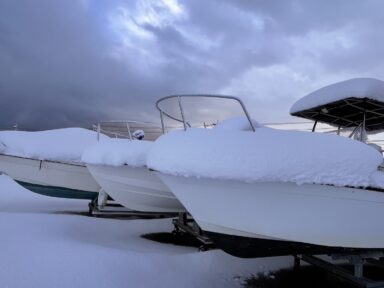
[138,134]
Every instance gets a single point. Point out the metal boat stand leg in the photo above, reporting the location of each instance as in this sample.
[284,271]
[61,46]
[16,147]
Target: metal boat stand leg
[356,277]
[105,206]
[102,199]
[184,223]
[92,207]
[97,205]
[296,263]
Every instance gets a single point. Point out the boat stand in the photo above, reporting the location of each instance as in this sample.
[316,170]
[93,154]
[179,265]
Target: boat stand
[105,206]
[184,223]
[356,278]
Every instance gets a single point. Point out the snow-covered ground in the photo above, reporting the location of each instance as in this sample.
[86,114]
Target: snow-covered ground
[42,245]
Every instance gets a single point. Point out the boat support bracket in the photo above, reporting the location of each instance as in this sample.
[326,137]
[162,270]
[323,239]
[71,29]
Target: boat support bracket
[184,223]
[356,278]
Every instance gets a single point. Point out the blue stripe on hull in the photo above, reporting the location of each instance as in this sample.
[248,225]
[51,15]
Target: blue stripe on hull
[59,192]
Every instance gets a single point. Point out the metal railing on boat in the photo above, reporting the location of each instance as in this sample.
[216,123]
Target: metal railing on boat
[183,119]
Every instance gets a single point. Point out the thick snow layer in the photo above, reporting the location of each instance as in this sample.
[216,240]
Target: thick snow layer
[117,152]
[357,87]
[43,245]
[377,179]
[265,155]
[237,123]
[65,144]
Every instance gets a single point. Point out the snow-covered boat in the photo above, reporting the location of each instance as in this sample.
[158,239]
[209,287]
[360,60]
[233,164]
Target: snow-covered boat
[136,188]
[48,162]
[118,166]
[357,104]
[269,192]
[51,178]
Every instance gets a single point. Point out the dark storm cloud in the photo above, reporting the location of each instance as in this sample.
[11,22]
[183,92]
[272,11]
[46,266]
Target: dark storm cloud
[71,63]
[40,49]
[54,66]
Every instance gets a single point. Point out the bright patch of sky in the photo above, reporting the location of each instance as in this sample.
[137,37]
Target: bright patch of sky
[132,25]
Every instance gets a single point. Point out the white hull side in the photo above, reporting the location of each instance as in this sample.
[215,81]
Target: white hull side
[316,214]
[49,173]
[138,189]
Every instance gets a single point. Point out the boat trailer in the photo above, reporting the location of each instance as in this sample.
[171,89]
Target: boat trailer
[358,261]
[105,206]
[185,224]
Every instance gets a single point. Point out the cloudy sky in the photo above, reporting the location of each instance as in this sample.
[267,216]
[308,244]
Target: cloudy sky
[72,63]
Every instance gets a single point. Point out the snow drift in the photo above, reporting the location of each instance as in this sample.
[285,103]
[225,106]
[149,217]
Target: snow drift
[65,144]
[117,152]
[264,156]
[237,123]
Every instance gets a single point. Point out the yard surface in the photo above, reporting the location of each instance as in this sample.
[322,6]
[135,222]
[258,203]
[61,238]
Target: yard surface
[44,243]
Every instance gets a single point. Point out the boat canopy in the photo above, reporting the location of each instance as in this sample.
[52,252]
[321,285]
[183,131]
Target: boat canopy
[350,103]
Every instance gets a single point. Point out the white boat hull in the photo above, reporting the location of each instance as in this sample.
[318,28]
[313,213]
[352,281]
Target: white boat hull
[58,179]
[314,214]
[138,189]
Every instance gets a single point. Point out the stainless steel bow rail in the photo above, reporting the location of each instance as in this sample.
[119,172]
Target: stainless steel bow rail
[183,119]
[126,128]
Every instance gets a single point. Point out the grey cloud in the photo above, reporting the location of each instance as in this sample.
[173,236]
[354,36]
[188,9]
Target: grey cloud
[56,67]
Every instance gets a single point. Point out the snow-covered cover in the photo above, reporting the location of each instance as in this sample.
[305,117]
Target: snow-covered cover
[65,144]
[239,123]
[265,155]
[117,152]
[357,87]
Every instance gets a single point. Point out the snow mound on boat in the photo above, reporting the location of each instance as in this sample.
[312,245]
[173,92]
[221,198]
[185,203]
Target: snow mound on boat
[239,123]
[266,155]
[118,152]
[357,87]
[65,144]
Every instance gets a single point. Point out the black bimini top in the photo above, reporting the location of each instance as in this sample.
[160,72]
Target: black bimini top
[348,112]
[346,104]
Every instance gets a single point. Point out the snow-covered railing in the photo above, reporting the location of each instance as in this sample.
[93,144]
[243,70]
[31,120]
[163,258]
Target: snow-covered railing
[183,118]
[325,128]
[128,129]
[9,128]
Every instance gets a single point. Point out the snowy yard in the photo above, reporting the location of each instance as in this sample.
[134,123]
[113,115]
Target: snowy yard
[44,245]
